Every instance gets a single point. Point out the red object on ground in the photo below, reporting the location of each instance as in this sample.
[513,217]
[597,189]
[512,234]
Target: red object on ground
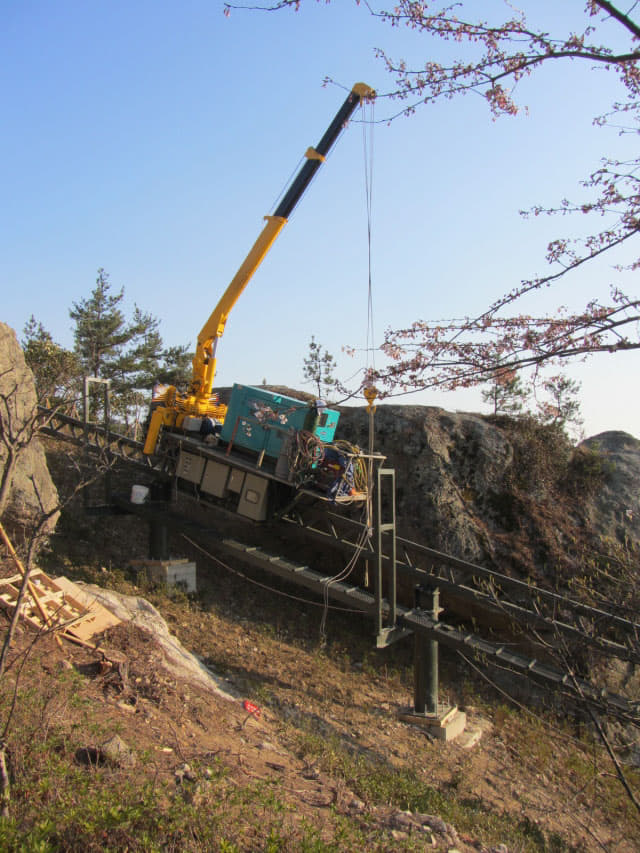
[250,708]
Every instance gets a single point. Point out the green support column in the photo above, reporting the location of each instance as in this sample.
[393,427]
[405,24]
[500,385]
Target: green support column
[158,539]
[425,667]
[419,680]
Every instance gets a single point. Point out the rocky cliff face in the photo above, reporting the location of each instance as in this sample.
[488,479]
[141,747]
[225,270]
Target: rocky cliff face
[614,511]
[26,488]
[505,493]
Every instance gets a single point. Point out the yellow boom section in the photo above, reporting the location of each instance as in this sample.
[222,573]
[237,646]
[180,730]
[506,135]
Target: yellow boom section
[204,361]
[173,407]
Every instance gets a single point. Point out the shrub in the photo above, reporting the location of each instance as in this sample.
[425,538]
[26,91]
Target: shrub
[588,470]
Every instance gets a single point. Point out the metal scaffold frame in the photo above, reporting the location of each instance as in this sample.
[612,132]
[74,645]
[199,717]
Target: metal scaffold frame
[430,571]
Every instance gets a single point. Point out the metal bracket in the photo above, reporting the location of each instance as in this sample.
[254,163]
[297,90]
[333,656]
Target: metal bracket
[387,636]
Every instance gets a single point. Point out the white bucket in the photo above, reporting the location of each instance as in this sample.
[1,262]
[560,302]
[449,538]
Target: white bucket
[139,494]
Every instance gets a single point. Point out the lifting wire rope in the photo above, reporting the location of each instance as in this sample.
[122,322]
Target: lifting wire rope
[367,146]
[370,392]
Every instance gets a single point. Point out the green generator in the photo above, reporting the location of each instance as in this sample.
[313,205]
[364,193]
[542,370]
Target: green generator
[260,420]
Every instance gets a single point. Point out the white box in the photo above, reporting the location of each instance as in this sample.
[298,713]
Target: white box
[172,572]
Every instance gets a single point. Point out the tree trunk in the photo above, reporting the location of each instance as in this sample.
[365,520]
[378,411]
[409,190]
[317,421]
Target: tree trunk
[5,782]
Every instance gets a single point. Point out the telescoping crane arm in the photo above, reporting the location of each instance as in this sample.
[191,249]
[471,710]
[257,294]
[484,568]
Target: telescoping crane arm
[175,407]
[204,363]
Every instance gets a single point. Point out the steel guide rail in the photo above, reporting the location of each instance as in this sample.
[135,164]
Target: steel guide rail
[418,621]
[489,585]
[522,616]
[409,620]
[99,439]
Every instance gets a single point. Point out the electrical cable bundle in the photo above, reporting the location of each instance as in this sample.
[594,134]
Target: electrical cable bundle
[359,468]
[305,453]
[337,469]
[342,576]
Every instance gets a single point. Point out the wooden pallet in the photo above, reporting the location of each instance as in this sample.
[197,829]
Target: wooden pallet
[97,617]
[53,605]
[57,605]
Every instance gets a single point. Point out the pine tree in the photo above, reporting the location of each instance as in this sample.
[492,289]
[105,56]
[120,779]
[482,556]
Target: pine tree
[108,346]
[176,368]
[319,367]
[506,394]
[100,329]
[563,407]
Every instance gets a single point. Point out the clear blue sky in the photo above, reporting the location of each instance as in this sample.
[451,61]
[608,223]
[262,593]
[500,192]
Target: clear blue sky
[150,138]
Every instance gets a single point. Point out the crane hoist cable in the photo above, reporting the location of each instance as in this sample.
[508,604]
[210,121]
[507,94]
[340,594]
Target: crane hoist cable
[368,124]
[363,478]
[370,391]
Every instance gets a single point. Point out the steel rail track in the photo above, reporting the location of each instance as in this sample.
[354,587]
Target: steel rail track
[493,591]
[409,620]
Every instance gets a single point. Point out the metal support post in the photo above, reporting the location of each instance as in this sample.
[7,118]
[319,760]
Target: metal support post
[158,539]
[386,476]
[85,408]
[419,680]
[432,658]
[86,413]
[107,439]
[425,672]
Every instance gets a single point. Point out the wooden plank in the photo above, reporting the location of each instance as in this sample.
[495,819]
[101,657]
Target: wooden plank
[21,569]
[97,619]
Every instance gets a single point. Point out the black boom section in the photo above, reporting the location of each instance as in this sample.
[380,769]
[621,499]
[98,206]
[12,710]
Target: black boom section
[308,170]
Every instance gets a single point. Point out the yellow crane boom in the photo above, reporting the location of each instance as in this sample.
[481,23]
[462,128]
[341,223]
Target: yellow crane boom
[172,408]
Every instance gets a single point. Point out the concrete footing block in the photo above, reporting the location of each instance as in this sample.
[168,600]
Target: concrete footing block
[178,572]
[446,725]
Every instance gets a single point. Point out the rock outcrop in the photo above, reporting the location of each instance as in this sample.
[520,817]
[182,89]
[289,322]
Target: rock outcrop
[26,488]
[503,492]
[177,660]
[442,460]
[614,512]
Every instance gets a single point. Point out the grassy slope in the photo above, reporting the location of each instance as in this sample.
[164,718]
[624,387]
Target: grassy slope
[327,767]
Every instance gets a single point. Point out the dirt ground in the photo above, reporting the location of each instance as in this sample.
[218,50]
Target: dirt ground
[265,648]
[349,691]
